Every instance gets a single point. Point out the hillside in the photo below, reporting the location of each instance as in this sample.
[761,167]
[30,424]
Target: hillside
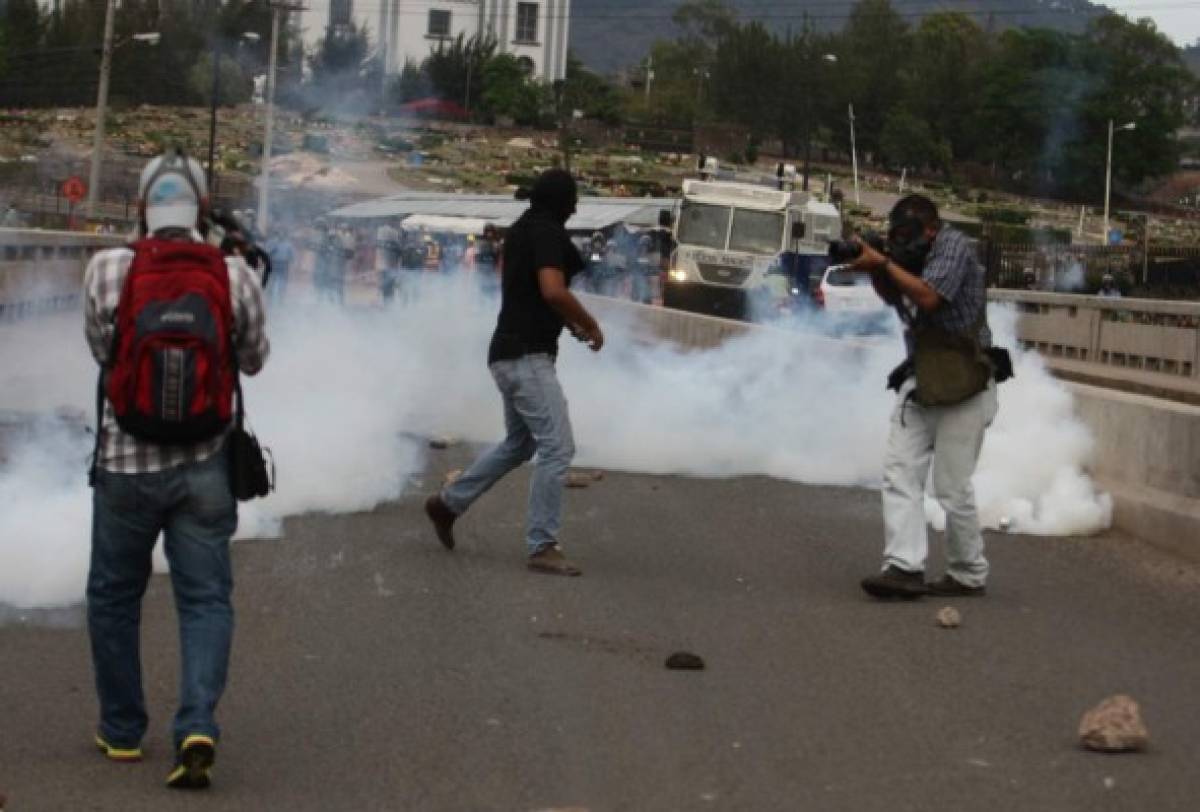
[609,35]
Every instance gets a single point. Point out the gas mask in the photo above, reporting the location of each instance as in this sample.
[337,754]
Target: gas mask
[907,244]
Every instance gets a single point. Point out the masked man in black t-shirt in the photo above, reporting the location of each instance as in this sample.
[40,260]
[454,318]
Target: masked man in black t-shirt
[535,304]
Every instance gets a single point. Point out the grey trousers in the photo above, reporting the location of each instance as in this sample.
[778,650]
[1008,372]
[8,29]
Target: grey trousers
[949,438]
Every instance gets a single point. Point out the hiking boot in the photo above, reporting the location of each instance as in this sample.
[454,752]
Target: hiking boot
[193,765]
[114,753]
[948,587]
[894,582]
[550,559]
[443,519]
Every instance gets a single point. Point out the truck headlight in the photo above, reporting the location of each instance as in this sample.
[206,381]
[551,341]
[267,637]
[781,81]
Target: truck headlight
[677,275]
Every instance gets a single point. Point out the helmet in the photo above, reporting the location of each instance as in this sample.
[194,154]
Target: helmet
[172,189]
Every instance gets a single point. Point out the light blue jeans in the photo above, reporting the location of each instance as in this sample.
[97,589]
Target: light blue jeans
[536,420]
[192,506]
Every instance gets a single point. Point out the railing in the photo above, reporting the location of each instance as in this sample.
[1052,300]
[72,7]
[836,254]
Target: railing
[1141,334]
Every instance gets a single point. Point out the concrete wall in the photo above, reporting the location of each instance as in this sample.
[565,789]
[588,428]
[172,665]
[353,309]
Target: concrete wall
[1147,452]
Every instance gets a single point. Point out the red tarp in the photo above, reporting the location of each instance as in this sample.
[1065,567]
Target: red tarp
[433,108]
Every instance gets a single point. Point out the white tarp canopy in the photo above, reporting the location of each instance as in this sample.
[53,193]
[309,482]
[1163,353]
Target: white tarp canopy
[593,214]
[444,224]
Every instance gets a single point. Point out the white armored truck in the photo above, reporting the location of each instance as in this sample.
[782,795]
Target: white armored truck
[740,245]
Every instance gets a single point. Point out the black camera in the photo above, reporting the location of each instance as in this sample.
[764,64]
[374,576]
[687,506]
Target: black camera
[843,251]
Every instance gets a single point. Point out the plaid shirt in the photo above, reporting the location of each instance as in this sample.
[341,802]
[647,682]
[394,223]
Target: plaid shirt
[120,452]
[955,272]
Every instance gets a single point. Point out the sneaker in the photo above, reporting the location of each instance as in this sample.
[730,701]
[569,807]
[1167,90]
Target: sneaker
[114,753]
[894,582]
[443,520]
[550,559]
[193,766]
[948,587]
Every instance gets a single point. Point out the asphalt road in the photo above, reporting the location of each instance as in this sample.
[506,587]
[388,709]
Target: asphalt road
[373,670]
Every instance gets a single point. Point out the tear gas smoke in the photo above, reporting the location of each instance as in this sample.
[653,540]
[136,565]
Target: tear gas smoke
[346,394]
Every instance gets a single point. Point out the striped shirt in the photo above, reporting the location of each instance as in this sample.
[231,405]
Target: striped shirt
[955,272]
[119,452]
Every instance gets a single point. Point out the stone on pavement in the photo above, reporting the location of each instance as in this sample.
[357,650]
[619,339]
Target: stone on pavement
[1114,726]
[949,618]
[685,661]
[581,479]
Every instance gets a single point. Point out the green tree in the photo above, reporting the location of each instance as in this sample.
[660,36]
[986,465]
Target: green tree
[943,74]
[236,87]
[584,90]
[1138,76]
[410,85]
[1023,97]
[455,68]
[872,51]
[345,73]
[508,91]
[910,141]
[745,74]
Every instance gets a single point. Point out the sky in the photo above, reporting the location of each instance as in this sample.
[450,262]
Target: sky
[1178,19]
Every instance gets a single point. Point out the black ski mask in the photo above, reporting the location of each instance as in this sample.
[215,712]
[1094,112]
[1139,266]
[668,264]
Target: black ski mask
[555,193]
[907,244]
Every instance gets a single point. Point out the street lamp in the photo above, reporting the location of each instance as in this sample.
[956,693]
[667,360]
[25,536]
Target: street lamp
[808,123]
[106,52]
[1132,125]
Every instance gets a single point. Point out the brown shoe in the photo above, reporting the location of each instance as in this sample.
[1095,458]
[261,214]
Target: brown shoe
[443,520]
[550,559]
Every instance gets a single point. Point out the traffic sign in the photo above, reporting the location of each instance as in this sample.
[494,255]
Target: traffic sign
[74,189]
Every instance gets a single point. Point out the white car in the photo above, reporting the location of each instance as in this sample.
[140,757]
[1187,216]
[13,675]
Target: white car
[847,297]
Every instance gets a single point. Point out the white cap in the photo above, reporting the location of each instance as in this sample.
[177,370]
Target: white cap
[172,186]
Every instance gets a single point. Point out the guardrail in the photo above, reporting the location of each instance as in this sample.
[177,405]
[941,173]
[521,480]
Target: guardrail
[1141,334]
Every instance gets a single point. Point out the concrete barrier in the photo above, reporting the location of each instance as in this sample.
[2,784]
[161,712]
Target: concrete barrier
[1147,452]
[43,270]
[1147,456]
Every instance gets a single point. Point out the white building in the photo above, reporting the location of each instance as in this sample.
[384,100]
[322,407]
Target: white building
[536,30]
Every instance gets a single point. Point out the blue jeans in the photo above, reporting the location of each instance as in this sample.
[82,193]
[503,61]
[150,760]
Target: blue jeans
[536,420]
[195,511]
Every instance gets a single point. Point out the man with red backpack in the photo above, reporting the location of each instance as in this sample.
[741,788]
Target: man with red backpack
[171,323]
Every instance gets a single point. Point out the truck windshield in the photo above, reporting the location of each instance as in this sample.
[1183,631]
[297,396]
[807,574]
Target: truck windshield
[756,232]
[703,225]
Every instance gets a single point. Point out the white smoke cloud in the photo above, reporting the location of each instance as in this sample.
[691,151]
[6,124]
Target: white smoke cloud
[347,395]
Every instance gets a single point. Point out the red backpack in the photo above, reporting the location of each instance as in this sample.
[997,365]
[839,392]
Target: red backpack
[172,373]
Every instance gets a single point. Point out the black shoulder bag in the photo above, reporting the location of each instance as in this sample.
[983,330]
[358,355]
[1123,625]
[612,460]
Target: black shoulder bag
[251,467]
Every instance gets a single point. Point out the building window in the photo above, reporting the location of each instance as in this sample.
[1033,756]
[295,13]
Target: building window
[527,22]
[439,23]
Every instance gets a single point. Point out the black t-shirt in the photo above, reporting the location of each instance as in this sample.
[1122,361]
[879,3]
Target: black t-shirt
[527,324]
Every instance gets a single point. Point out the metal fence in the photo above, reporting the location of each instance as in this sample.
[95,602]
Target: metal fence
[1156,271]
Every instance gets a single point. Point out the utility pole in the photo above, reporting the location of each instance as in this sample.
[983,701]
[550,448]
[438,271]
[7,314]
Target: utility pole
[649,75]
[854,157]
[101,108]
[212,112]
[264,182]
